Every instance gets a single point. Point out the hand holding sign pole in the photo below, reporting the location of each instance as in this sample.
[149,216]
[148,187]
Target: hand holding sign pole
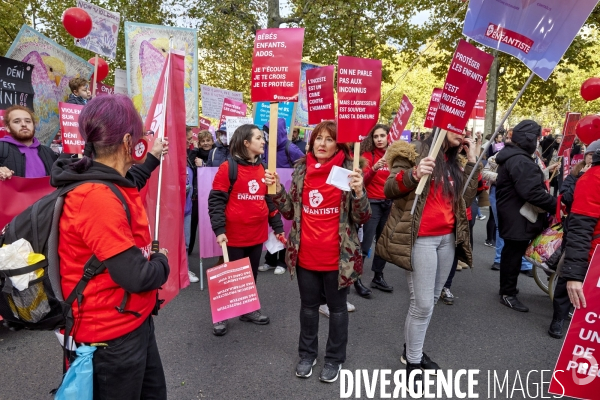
[466,76]
[276,75]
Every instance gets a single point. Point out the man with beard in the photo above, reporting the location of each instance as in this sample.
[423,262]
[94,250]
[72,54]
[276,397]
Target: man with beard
[21,154]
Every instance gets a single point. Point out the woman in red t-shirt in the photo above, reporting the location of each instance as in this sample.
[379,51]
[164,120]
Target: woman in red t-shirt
[376,172]
[240,211]
[323,246]
[424,243]
[115,314]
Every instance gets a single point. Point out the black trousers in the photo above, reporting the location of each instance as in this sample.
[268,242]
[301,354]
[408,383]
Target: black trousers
[194,226]
[380,210]
[129,368]
[561,302]
[491,227]
[510,265]
[317,288]
[252,252]
[276,260]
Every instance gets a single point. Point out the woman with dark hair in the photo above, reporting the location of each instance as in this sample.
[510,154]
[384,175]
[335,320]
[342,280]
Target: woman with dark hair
[376,172]
[240,211]
[323,249]
[118,303]
[220,152]
[424,243]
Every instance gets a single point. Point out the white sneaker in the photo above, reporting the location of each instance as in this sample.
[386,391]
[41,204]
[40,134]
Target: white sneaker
[279,271]
[265,267]
[323,309]
[350,306]
[193,277]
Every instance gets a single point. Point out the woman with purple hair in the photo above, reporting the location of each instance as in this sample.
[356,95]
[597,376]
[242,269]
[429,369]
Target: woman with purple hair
[116,312]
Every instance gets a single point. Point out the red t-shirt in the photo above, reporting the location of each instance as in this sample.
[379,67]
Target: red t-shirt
[94,222]
[320,221]
[438,217]
[375,180]
[247,213]
[587,201]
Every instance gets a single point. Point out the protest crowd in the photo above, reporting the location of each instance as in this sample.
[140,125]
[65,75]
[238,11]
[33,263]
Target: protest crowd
[356,192]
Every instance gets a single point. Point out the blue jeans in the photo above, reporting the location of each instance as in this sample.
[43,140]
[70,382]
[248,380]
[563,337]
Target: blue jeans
[525,265]
[187,229]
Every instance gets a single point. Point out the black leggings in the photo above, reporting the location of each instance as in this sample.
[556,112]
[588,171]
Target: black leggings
[252,252]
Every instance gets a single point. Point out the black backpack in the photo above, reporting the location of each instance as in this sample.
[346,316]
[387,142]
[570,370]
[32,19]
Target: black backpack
[42,305]
[233,172]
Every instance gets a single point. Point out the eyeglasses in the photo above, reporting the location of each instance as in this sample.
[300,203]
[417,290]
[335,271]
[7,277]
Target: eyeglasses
[149,133]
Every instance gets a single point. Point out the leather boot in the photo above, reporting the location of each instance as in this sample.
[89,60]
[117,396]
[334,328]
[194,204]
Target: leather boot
[361,289]
[379,283]
[556,328]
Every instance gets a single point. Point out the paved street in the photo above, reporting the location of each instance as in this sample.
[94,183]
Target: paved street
[257,362]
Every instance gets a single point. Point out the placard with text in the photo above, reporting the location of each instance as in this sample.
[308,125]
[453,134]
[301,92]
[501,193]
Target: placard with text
[232,290]
[204,123]
[359,94]
[566,162]
[72,141]
[103,89]
[569,131]
[232,108]
[3,130]
[319,93]
[468,70]
[433,106]
[401,119]
[276,64]
[576,371]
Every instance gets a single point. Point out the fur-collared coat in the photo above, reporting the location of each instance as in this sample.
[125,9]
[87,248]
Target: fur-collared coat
[353,212]
[401,230]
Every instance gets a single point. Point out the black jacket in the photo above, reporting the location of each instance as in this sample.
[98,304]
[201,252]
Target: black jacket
[520,180]
[76,100]
[218,155]
[217,203]
[129,269]
[13,159]
[581,236]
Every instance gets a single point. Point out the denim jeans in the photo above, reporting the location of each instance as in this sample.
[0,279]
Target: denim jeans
[432,258]
[525,265]
[187,229]
[380,210]
[317,288]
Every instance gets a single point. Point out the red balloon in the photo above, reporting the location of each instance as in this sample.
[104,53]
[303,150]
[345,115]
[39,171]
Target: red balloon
[588,129]
[590,89]
[77,22]
[102,68]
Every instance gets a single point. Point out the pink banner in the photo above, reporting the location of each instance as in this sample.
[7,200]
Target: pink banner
[319,93]
[104,89]
[433,106]
[569,131]
[478,112]
[204,123]
[566,162]
[206,237]
[359,94]
[3,130]
[232,108]
[402,116]
[232,290]
[172,197]
[68,115]
[276,64]
[576,371]
[19,193]
[468,70]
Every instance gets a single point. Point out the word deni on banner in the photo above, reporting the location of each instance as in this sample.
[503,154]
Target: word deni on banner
[466,76]
[72,141]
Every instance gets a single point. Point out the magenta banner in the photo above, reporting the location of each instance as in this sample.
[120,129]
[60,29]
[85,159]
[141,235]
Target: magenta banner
[206,237]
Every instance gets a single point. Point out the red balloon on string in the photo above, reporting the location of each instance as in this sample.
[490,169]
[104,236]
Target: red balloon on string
[590,89]
[588,129]
[77,22]
[102,68]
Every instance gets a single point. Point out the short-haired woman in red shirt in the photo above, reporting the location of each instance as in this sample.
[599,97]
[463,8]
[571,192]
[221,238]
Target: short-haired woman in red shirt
[240,214]
[323,247]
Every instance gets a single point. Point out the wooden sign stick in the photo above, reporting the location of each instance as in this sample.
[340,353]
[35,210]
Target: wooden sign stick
[272,162]
[95,76]
[432,153]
